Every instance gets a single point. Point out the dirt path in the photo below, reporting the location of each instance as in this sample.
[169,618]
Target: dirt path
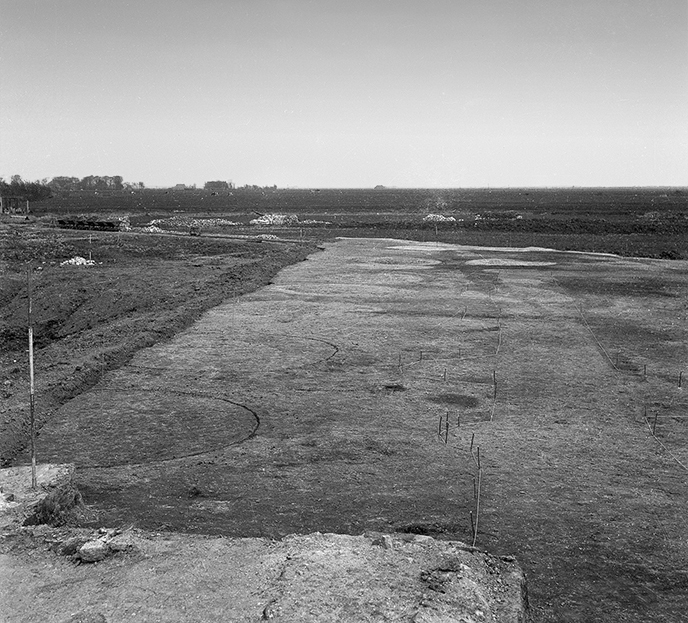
[315,404]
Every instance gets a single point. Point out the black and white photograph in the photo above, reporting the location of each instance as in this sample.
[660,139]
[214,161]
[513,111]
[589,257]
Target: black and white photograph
[343,311]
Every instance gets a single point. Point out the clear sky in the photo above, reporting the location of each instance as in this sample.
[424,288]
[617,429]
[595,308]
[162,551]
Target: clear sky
[347,93]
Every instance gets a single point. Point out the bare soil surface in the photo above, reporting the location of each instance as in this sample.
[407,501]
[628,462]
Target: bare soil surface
[159,578]
[320,402]
[89,319]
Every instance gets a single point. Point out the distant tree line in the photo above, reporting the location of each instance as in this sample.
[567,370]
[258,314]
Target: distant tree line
[218,185]
[93,182]
[17,187]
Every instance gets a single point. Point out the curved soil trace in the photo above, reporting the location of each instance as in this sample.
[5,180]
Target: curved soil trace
[552,363]
[108,427]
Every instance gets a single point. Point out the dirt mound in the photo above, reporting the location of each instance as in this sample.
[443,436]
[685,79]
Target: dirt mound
[315,577]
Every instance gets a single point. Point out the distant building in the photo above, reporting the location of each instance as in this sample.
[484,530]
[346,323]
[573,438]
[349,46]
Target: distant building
[179,187]
[13,204]
[218,186]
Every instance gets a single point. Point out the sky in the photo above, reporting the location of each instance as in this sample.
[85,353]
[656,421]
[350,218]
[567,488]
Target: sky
[347,93]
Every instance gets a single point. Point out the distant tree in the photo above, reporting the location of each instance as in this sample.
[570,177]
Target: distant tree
[63,183]
[218,185]
[102,182]
[32,191]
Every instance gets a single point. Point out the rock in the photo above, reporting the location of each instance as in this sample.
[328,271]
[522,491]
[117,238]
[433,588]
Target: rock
[422,538]
[72,545]
[94,551]
[125,542]
[384,541]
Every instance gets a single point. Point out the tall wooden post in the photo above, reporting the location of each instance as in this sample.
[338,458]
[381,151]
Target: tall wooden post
[32,419]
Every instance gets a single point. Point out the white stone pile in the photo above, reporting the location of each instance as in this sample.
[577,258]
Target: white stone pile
[280,220]
[124,223]
[78,261]
[186,222]
[438,218]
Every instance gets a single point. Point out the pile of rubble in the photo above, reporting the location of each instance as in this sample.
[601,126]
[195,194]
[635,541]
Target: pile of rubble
[281,220]
[438,218]
[186,222]
[124,223]
[78,261]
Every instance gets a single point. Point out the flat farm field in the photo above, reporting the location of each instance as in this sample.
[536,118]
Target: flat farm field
[352,391]
[646,222]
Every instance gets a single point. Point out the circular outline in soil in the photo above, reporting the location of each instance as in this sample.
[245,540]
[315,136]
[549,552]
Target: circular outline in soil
[161,459]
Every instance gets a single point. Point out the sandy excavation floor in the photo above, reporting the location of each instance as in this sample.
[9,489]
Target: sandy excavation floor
[315,404]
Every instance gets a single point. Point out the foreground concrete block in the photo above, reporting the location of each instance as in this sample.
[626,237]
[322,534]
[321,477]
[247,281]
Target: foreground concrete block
[175,578]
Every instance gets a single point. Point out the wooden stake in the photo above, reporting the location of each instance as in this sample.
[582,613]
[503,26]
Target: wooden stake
[680,378]
[439,429]
[444,376]
[32,420]
[446,429]
[645,371]
[494,382]
[477,501]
